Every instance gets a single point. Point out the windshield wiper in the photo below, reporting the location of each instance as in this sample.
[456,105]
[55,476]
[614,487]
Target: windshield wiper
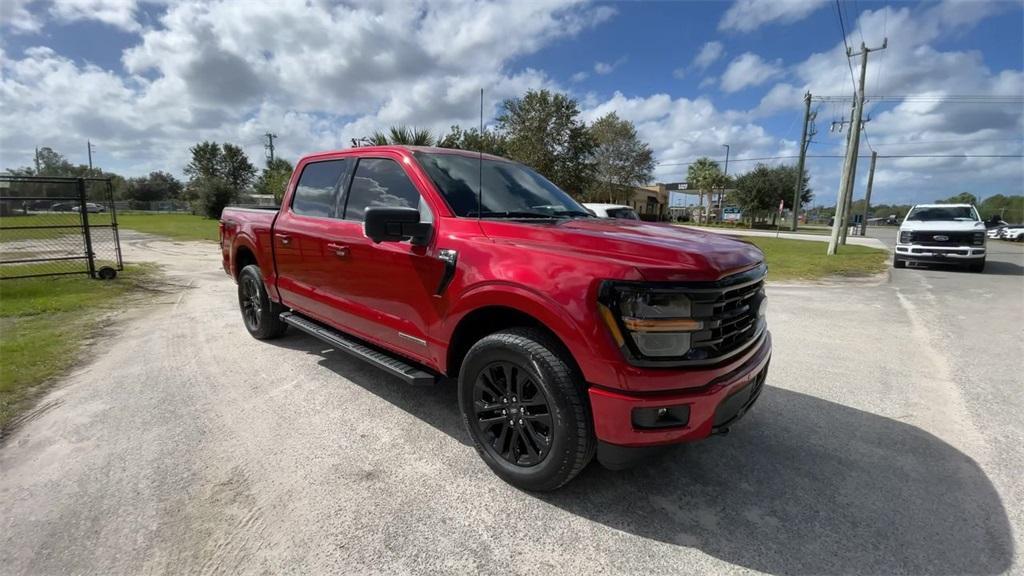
[574,213]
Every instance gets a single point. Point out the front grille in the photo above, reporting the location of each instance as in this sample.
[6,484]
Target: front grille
[942,238]
[731,317]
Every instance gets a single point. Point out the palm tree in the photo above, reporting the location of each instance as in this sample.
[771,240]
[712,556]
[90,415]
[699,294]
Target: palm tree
[402,135]
[705,175]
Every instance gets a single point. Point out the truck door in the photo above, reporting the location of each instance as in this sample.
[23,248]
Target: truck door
[304,234]
[386,289]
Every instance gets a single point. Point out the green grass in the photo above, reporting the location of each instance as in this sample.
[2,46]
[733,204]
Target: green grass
[806,259]
[44,325]
[177,226]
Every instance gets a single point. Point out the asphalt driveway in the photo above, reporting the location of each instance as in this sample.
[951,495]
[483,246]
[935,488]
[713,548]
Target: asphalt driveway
[890,440]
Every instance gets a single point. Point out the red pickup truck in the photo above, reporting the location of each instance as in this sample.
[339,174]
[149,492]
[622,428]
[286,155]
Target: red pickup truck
[569,335]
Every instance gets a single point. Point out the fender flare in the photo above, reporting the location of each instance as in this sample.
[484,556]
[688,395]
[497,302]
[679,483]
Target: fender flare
[547,311]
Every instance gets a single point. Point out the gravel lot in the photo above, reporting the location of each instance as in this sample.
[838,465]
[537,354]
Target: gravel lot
[890,440]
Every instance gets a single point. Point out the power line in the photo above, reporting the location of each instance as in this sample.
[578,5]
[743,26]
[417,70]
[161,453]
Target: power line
[842,29]
[956,98]
[794,156]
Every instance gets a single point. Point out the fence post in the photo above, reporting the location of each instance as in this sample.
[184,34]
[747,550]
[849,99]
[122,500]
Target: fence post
[86,233]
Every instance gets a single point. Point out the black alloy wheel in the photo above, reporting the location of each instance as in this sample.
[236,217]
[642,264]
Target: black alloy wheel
[249,299]
[513,415]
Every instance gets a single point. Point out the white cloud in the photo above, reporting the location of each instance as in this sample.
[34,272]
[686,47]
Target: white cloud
[748,15]
[315,74]
[680,130]
[15,15]
[604,68]
[749,70]
[708,55]
[117,13]
[579,76]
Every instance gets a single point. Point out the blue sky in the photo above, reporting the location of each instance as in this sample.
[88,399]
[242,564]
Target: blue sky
[145,80]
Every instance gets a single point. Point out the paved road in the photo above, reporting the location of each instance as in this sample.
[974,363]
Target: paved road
[890,440]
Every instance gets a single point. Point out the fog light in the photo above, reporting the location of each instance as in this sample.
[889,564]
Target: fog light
[664,417]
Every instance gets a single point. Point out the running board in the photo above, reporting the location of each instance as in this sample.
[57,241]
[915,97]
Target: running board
[383,360]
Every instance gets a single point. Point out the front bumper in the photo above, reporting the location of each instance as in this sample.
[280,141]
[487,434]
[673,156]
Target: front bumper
[917,253]
[712,408]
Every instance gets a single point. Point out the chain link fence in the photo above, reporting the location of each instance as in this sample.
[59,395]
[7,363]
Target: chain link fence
[56,226]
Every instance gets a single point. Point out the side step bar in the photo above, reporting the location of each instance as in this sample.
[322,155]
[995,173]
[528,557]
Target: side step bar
[387,362]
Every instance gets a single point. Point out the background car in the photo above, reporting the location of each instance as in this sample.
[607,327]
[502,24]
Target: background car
[90,207]
[612,211]
[997,231]
[1014,233]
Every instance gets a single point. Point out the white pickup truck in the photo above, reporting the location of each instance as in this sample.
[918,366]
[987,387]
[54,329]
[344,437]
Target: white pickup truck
[942,233]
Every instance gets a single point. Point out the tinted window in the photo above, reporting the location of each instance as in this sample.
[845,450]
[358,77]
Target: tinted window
[381,182]
[317,190]
[934,213]
[623,213]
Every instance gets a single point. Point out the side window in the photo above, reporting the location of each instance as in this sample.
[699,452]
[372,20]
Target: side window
[381,182]
[317,191]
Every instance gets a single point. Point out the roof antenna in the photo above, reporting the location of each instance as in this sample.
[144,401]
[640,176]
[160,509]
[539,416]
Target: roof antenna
[480,164]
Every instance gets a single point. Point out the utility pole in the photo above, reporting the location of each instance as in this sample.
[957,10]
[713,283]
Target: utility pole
[37,160]
[269,146]
[88,145]
[804,144]
[725,182]
[850,167]
[867,194]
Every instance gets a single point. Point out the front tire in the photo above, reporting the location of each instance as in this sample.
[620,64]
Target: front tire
[260,315]
[525,406]
[898,262]
[977,266]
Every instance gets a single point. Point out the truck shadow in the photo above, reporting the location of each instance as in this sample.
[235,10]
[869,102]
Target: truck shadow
[801,486]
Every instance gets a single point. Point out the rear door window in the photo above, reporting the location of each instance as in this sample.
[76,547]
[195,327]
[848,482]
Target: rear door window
[382,182]
[317,191]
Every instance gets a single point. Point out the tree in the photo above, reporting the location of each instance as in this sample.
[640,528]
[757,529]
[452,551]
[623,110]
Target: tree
[398,135]
[622,161]
[213,194]
[705,176]
[206,161]
[156,187]
[212,168]
[543,130]
[961,198]
[236,169]
[274,178]
[761,190]
[491,142]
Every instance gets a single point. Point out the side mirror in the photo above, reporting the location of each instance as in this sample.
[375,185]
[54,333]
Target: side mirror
[395,224]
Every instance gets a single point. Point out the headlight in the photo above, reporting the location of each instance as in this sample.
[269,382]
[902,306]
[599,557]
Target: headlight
[904,237]
[658,322]
[979,238]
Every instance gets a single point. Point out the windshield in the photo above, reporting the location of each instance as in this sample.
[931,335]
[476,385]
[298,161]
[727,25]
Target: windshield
[935,213]
[510,190]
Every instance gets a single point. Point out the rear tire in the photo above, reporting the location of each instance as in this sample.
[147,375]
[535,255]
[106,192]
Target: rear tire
[260,315]
[898,262]
[526,409]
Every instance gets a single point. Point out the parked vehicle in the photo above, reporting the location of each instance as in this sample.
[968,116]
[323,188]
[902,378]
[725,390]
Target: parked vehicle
[62,207]
[943,233]
[568,335]
[996,232]
[611,211]
[1013,233]
[90,207]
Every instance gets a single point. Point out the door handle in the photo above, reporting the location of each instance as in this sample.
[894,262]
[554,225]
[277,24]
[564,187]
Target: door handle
[284,238]
[340,250]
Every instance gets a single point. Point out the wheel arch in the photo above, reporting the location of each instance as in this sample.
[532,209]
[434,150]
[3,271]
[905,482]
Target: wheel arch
[489,310]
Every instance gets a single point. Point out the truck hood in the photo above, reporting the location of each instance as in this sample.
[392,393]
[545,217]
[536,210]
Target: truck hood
[659,252]
[942,226]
